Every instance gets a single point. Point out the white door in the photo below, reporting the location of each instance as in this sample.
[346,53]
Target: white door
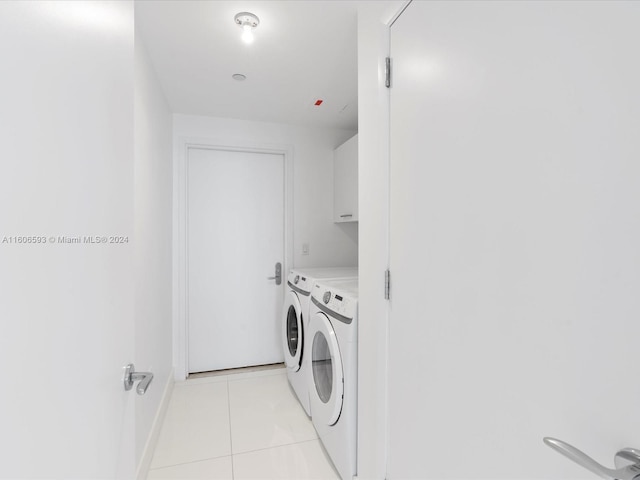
[515,233]
[66,281]
[235,239]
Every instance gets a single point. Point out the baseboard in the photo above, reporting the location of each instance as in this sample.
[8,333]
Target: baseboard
[150,446]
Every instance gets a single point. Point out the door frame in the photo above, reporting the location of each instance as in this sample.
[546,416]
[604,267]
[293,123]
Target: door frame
[374,32]
[180,234]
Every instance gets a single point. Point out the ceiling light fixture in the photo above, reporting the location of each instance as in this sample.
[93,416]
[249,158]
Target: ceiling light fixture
[248,21]
[239,77]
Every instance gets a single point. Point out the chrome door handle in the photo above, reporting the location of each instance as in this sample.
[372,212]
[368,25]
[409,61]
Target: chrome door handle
[131,376]
[627,461]
[627,456]
[278,276]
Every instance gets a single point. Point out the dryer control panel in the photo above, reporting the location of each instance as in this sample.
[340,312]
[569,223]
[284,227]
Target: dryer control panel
[336,299]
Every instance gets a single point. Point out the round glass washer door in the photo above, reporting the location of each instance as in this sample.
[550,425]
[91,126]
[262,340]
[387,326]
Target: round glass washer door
[292,334]
[326,368]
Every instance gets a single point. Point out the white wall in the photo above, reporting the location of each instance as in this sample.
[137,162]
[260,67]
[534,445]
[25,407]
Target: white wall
[153,243]
[330,244]
[66,169]
[373,171]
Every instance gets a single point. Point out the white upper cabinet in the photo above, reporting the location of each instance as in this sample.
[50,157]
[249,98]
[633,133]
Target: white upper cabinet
[345,181]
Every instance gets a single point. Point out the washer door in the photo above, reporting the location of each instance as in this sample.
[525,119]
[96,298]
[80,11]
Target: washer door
[292,334]
[326,366]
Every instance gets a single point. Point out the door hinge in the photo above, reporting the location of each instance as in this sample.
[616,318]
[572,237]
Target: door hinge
[387,284]
[387,82]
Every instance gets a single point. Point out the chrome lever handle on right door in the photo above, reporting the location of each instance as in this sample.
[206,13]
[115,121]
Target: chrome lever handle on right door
[627,461]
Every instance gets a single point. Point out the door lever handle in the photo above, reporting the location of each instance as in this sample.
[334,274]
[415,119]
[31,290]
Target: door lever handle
[627,461]
[278,275]
[627,456]
[131,376]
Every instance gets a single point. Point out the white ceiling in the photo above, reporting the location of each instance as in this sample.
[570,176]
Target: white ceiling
[303,50]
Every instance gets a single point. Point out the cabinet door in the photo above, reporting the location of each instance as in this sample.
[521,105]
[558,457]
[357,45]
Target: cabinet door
[345,182]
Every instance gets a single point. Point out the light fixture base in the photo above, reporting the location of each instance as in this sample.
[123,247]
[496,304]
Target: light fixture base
[246,18]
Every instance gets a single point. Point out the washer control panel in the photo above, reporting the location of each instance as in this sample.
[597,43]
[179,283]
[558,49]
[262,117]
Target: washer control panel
[299,281]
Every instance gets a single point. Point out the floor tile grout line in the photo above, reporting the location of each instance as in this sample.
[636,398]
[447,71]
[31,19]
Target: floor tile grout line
[233,454]
[277,446]
[230,428]
[190,462]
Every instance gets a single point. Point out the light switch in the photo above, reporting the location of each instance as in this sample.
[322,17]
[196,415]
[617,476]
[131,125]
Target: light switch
[305,249]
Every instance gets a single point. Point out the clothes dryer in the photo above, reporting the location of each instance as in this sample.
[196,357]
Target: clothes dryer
[295,321]
[333,386]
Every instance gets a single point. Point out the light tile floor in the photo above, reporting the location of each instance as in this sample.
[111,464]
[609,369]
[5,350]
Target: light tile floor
[238,426]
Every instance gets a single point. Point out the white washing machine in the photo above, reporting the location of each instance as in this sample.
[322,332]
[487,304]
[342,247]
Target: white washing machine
[295,321]
[333,389]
